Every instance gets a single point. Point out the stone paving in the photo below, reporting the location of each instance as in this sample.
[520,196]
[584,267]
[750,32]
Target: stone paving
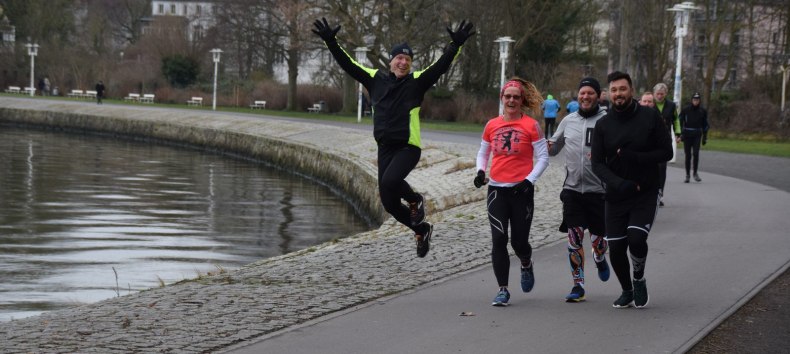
[213,312]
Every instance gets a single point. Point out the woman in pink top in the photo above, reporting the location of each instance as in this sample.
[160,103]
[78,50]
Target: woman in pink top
[514,139]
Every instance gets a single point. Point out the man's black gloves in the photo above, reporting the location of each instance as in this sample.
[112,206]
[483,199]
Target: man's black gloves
[323,30]
[628,187]
[704,139]
[463,32]
[481,179]
[523,186]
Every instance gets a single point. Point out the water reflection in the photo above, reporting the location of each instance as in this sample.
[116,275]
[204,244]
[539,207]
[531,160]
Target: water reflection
[77,210]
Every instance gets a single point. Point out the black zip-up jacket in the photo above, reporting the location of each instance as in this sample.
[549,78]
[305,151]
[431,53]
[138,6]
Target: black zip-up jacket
[694,121]
[396,102]
[640,135]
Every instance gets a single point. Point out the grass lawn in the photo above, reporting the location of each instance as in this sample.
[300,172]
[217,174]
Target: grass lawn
[779,149]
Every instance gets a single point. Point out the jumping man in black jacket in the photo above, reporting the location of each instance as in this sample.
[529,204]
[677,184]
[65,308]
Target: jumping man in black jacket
[396,96]
[628,145]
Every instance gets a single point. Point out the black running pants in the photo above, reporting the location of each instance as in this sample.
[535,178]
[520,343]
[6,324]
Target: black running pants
[395,162]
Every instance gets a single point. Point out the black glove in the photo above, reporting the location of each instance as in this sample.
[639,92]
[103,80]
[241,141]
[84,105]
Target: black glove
[628,187]
[463,32]
[324,31]
[523,186]
[481,179]
[704,140]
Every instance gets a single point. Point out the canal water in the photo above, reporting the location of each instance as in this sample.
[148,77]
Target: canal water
[87,217]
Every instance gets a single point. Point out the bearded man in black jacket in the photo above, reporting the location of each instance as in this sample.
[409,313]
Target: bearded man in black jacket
[628,145]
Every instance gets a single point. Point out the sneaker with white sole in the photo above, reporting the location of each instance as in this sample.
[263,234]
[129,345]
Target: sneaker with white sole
[424,241]
[528,277]
[502,298]
[640,293]
[417,211]
[625,300]
[603,269]
[576,294]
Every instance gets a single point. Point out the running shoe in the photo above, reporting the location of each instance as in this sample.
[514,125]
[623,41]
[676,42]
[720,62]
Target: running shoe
[687,179]
[424,241]
[640,293]
[625,300]
[603,269]
[696,178]
[417,211]
[527,278]
[576,294]
[502,297]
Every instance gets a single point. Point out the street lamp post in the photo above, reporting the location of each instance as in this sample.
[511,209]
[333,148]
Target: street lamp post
[360,54]
[682,15]
[215,53]
[32,51]
[504,45]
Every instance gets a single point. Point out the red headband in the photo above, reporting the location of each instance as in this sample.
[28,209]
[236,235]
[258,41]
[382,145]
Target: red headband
[512,83]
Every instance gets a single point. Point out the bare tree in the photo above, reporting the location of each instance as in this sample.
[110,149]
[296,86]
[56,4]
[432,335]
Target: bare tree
[719,25]
[126,18]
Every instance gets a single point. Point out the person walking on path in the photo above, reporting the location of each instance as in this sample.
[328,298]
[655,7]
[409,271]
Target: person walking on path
[572,106]
[582,192]
[514,139]
[550,109]
[396,96]
[694,125]
[669,112]
[647,100]
[627,146]
[99,91]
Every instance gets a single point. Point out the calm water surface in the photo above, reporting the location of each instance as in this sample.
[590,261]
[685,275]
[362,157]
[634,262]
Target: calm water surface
[85,218]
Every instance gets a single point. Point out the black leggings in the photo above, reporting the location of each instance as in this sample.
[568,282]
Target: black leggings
[628,223]
[507,207]
[550,122]
[691,147]
[395,163]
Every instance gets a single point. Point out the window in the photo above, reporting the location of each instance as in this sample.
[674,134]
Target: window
[775,38]
[173,9]
[198,9]
[185,10]
[161,9]
[734,75]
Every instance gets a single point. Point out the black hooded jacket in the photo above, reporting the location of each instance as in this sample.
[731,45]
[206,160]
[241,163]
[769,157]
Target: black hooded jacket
[694,121]
[626,149]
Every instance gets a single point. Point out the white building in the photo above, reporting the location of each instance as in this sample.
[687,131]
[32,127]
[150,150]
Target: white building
[199,15]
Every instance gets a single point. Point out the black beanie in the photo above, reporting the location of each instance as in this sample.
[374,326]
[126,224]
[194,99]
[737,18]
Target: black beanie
[592,82]
[402,48]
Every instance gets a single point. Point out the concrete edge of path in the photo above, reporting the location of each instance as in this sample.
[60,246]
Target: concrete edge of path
[734,308]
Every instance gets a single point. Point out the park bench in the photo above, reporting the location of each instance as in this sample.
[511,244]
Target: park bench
[90,94]
[134,97]
[195,101]
[14,89]
[28,90]
[315,108]
[76,93]
[258,104]
[147,98]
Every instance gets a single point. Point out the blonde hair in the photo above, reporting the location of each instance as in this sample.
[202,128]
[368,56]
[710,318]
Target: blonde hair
[532,98]
[661,87]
